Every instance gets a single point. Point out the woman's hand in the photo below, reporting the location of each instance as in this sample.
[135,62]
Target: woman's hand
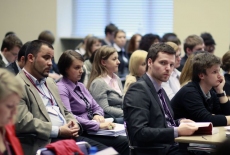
[107,126]
[99,118]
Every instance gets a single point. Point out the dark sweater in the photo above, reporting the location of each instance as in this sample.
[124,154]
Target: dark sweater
[227,84]
[190,103]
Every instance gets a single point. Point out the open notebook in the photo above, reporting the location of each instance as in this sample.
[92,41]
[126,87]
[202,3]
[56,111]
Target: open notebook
[205,128]
[118,130]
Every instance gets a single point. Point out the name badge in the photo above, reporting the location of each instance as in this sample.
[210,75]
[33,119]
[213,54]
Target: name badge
[52,111]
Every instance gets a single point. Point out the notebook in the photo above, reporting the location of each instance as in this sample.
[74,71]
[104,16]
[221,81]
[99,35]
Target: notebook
[204,128]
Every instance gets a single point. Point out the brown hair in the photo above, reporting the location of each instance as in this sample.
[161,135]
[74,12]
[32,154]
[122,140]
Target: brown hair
[191,41]
[46,36]
[66,60]
[226,62]
[132,42]
[98,69]
[88,47]
[10,41]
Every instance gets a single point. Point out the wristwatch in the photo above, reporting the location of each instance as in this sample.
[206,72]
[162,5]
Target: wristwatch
[221,94]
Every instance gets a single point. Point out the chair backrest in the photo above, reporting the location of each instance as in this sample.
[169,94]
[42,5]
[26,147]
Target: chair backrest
[84,146]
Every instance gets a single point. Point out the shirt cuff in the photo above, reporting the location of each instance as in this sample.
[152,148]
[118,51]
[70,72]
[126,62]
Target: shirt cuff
[54,132]
[175,132]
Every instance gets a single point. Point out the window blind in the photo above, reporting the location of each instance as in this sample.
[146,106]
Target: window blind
[132,16]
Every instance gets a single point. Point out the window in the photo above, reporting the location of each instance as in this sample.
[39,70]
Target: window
[132,16]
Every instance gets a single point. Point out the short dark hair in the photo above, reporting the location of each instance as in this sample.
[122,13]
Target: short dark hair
[174,40]
[66,60]
[202,62]
[167,35]
[147,40]
[155,49]
[110,28]
[34,47]
[22,51]
[10,41]
[116,32]
[208,39]
[9,33]
[226,62]
[47,36]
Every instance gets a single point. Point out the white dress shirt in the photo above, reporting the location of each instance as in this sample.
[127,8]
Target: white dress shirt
[172,86]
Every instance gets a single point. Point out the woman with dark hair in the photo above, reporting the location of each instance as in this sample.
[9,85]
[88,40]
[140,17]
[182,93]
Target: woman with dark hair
[147,40]
[77,99]
[226,67]
[134,43]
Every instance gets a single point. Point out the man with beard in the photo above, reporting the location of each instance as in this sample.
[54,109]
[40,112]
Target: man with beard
[41,111]
[203,99]
[147,111]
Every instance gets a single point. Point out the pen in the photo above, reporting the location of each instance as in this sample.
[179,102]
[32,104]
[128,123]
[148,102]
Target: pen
[204,137]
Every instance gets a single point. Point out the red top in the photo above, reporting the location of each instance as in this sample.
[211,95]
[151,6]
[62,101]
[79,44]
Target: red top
[13,140]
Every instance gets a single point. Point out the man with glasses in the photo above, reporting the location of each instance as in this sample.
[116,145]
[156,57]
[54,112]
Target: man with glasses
[9,51]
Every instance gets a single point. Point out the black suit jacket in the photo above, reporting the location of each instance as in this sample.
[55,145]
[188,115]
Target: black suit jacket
[227,84]
[2,64]
[182,62]
[144,116]
[13,68]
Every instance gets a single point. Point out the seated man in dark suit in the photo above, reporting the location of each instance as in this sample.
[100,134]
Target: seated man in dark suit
[109,34]
[17,65]
[40,110]
[203,99]
[147,109]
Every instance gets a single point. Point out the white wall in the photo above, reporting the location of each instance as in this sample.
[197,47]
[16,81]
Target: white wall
[197,16]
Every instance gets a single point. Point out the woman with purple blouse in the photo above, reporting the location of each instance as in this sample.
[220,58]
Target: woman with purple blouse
[77,99]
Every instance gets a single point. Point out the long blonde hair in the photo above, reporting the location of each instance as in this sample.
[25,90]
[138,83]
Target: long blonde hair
[98,69]
[136,58]
[8,84]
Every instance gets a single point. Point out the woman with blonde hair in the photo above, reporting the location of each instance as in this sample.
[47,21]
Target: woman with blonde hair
[10,93]
[137,67]
[104,85]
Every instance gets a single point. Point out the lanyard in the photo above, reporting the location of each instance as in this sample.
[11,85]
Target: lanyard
[50,98]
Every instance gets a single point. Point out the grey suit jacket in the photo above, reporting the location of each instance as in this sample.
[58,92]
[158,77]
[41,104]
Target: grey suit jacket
[32,116]
[109,100]
[145,118]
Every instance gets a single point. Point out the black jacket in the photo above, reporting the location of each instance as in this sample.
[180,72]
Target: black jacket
[190,103]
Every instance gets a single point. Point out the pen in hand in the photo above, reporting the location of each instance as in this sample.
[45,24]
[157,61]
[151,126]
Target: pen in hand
[204,137]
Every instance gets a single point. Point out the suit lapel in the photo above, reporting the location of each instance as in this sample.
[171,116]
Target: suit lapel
[52,88]
[152,90]
[36,95]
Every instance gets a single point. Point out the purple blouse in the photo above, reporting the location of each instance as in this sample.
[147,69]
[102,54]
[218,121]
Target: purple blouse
[76,105]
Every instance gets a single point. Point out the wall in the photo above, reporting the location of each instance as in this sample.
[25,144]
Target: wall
[197,16]
[27,18]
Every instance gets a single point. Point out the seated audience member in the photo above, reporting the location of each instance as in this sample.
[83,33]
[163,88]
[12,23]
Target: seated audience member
[134,43]
[93,43]
[109,34]
[81,47]
[203,99]
[119,45]
[17,65]
[77,99]
[209,42]
[41,111]
[137,67]
[49,37]
[9,51]
[172,86]
[147,110]
[226,67]
[10,93]
[147,40]
[166,36]
[104,85]
[192,44]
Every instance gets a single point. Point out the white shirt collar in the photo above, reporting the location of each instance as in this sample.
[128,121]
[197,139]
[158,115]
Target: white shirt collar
[4,60]
[19,69]
[118,48]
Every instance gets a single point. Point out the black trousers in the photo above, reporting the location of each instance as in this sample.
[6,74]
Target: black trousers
[90,141]
[119,143]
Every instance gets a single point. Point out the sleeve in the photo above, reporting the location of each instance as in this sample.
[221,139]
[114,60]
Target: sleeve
[86,123]
[194,106]
[137,115]
[220,108]
[27,123]
[168,89]
[98,90]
